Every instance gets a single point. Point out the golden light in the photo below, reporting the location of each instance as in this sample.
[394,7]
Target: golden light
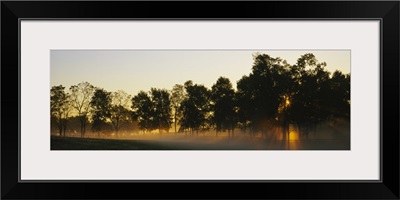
[293,135]
[287,102]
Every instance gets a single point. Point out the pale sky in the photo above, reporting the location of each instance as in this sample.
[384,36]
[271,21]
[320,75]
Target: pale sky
[135,70]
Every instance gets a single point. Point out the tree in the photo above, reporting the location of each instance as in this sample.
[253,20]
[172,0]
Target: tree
[161,105]
[101,104]
[152,110]
[177,96]
[60,107]
[142,111]
[81,96]
[310,102]
[245,101]
[119,109]
[260,93]
[195,107]
[223,108]
[340,95]
[284,87]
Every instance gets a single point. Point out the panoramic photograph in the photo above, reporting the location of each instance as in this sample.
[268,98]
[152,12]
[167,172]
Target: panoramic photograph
[200,100]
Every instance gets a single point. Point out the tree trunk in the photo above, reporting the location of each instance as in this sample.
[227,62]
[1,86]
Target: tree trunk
[60,129]
[175,120]
[64,128]
[288,135]
[284,131]
[84,128]
[83,124]
[60,123]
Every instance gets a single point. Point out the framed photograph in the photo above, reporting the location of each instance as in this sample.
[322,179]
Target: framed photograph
[117,97]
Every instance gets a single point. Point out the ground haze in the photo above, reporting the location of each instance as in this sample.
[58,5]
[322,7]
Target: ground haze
[326,137]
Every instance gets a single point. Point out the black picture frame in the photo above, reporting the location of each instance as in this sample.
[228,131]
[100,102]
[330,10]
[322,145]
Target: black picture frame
[386,11]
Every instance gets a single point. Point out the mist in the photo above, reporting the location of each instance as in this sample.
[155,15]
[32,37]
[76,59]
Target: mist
[328,136]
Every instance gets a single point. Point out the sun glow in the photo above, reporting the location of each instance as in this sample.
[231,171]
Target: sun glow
[287,102]
[293,135]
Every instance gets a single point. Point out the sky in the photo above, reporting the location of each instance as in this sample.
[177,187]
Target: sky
[135,70]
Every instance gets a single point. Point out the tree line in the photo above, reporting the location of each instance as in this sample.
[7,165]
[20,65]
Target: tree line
[273,94]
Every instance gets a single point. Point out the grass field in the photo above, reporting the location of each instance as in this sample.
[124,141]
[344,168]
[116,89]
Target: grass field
[74,143]
[197,143]
[326,137]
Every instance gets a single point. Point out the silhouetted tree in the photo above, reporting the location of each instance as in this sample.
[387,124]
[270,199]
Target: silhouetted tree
[101,104]
[81,95]
[161,105]
[311,93]
[143,111]
[195,107]
[177,96]
[339,96]
[260,94]
[222,98]
[284,86]
[60,107]
[245,101]
[119,109]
